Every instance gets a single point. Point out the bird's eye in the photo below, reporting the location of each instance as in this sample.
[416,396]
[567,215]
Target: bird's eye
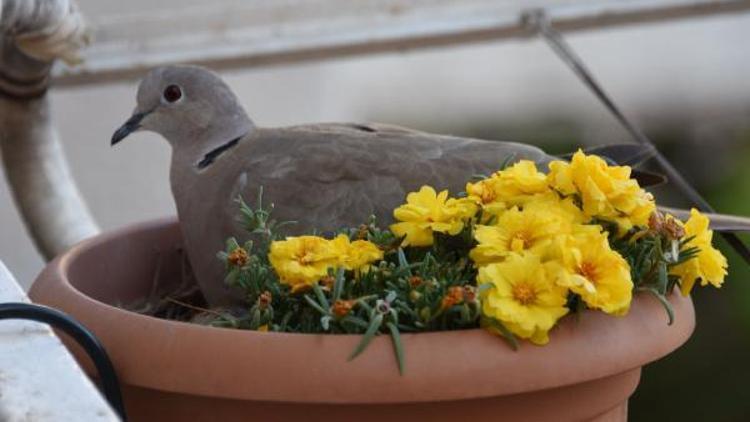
[172,93]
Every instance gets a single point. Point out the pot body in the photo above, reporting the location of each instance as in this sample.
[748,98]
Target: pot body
[177,371]
[605,401]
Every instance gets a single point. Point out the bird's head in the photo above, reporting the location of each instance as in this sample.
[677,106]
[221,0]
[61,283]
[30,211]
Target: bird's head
[190,106]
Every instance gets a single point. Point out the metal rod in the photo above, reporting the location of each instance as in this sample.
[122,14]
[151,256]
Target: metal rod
[538,20]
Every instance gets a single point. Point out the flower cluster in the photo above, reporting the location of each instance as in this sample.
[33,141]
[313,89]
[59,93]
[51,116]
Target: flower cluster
[544,243]
[541,240]
[304,260]
[515,253]
[606,192]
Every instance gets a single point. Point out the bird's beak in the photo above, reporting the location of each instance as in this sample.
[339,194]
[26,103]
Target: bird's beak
[133,124]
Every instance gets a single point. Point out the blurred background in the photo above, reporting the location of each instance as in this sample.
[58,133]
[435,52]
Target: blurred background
[686,83]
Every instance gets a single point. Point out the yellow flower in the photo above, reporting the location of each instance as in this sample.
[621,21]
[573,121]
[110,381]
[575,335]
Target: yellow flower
[710,266]
[302,261]
[607,192]
[593,270]
[560,177]
[484,193]
[531,229]
[524,297]
[426,212]
[357,255]
[563,208]
[512,186]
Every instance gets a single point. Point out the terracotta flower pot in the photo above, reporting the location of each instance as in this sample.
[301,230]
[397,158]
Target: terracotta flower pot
[178,371]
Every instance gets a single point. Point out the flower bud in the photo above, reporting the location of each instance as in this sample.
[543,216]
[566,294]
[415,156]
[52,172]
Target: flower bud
[414,295]
[454,296]
[470,294]
[341,308]
[238,257]
[382,307]
[327,283]
[666,225]
[425,314]
[415,281]
[265,299]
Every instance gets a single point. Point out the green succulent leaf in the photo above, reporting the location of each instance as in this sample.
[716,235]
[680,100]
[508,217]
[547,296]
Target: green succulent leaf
[504,331]
[371,332]
[398,347]
[664,301]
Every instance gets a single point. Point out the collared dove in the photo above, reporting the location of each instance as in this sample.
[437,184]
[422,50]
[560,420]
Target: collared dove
[324,176]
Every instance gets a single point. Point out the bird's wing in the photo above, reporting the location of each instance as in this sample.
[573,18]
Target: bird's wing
[336,175]
[354,128]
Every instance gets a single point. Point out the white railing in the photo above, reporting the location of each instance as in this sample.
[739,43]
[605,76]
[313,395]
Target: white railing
[252,33]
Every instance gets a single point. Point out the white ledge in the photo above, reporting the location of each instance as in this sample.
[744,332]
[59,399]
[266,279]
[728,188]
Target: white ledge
[39,380]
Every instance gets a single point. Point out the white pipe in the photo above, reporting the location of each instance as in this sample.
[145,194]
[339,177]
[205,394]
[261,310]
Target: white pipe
[46,195]
[32,34]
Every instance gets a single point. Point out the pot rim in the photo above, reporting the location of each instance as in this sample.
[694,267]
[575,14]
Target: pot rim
[313,368]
